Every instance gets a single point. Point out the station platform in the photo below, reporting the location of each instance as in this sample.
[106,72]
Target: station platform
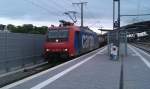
[136,69]
[94,70]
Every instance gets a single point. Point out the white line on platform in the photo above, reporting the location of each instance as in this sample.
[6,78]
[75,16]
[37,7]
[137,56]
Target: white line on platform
[52,79]
[134,54]
[141,57]
[43,72]
[142,51]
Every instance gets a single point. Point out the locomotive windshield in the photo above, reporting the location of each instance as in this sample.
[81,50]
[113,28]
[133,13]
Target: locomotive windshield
[58,34]
[61,35]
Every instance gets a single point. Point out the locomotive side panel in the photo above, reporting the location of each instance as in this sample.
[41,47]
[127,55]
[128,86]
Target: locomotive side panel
[88,41]
[96,41]
[77,42]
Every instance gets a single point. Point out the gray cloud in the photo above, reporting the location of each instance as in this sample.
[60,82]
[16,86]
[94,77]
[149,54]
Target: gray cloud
[52,10]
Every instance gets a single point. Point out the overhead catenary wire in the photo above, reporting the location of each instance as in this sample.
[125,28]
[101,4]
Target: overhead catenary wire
[82,10]
[93,24]
[55,11]
[77,8]
[51,6]
[139,14]
[134,15]
[55,7]
[72,7]
[91,16]
[63,9]
[39,6]
[72,15]
[68,2]
[59,5]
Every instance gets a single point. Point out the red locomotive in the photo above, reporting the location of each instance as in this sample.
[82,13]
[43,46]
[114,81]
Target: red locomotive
[68,40]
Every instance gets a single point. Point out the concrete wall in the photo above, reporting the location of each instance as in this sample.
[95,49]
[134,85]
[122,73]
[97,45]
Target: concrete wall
[20,50]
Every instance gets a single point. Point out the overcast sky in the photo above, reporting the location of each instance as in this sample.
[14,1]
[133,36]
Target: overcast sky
[46,12]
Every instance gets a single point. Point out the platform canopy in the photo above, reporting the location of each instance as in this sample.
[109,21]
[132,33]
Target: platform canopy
[137,27]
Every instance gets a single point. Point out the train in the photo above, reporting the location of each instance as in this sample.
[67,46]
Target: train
[68,40]
[102,39]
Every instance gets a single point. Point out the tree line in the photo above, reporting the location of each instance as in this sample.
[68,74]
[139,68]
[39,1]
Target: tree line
[26,28]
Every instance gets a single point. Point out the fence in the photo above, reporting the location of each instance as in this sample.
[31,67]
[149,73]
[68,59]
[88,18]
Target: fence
[19,50]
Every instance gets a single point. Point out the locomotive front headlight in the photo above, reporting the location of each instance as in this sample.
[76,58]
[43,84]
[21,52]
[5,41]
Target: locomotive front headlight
[66,49]
[56,40]
[47,50]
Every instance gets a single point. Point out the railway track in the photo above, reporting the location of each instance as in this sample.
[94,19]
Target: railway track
[26,72]
[143,46]
[144,43]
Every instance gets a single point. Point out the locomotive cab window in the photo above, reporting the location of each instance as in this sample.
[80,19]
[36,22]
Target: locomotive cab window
[58,34]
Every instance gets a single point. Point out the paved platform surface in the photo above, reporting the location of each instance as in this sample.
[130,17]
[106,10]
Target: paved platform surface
[136,69]
[93,71]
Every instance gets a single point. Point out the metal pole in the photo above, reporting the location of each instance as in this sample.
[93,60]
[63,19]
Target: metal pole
[116,24]
[126,44]
[108,42]
[81,3]
[81,14]
[118,33]
[118,14]
[113,13]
